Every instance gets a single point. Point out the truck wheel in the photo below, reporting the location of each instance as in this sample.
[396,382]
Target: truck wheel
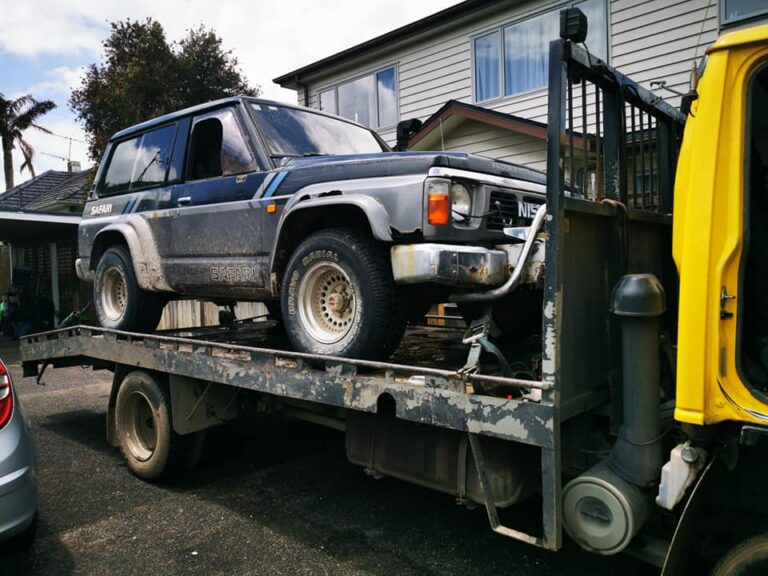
[144,425]
[120,303]
[750,558]
[339,298]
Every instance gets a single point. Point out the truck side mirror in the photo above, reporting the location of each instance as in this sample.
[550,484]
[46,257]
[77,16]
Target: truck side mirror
[405,130]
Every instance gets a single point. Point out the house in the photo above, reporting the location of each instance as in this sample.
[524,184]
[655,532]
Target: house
[38,232]
[476,72]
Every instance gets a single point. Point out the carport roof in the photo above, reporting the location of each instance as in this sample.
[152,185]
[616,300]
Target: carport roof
[22,227]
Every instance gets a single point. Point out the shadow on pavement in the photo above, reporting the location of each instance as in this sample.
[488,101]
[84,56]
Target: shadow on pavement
[47,556]
[87,427]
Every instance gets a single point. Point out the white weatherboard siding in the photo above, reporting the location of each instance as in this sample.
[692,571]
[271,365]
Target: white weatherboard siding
[649,40]
[478,138]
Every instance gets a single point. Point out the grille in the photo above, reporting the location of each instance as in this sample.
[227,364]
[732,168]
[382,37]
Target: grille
[508,211]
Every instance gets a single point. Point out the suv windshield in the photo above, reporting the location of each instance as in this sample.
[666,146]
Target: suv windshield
[292,132]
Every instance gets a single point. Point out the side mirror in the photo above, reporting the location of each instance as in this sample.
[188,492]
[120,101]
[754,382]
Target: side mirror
[405,130]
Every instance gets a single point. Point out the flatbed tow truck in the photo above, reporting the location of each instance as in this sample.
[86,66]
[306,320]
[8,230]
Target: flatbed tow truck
[626,414]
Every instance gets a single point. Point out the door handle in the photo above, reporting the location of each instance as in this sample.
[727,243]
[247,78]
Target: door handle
[184,200]
[724,299]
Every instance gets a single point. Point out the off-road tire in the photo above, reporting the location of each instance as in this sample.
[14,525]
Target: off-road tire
[139,310]
[750,558]
[378,320]
[165,453]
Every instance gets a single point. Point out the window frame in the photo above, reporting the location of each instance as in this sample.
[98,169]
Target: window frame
[519,20]
[244,132]
[103,192]
[335,89]
[724,22]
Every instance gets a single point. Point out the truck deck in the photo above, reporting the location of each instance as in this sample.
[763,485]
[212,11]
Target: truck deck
[252,357]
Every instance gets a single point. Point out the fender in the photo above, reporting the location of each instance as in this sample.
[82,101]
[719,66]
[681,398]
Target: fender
[374,211]
[144,252]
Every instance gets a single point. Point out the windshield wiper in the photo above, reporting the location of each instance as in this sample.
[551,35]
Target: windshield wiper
[302,155]
[155,158]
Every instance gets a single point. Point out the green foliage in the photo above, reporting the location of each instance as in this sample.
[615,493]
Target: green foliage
[143,76]
[17,116]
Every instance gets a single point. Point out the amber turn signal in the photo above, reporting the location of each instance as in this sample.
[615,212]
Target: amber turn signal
[439,209]
[271,208]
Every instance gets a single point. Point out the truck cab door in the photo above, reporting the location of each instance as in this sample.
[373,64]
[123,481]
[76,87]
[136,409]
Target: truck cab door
[721,242]
[210,239]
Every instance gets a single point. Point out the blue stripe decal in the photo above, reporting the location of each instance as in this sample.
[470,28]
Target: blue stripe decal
[275,184]
[129,206]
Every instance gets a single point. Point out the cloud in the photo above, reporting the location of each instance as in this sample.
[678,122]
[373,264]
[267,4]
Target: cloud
[49,27]
[269,37]
[58,81]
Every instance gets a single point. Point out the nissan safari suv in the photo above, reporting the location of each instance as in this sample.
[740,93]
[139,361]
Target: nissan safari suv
[247,199]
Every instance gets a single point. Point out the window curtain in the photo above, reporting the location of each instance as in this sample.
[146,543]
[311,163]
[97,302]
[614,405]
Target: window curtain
[487,54]
[526,53]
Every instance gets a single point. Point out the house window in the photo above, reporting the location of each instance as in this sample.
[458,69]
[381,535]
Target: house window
[370,100]
[524,47]
[487,71]
[735,11]
[328,101]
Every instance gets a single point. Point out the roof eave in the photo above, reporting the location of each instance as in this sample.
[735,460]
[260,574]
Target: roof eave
[295,77]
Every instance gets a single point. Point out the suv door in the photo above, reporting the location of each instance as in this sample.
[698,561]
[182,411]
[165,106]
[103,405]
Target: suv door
[210,240]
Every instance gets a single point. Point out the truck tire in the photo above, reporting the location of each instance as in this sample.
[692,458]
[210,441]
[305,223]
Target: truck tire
[339,298]
[119,301]
[144,426]
[750,558]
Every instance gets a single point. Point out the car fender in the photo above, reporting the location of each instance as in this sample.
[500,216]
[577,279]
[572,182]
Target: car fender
[375,213]
[145,255]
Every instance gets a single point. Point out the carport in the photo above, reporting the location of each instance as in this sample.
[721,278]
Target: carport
[48,241]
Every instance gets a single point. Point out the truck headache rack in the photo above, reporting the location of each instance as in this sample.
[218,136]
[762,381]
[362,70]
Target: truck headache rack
[611,160]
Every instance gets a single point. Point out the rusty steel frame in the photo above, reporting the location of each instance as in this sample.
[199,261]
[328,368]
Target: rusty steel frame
[442,399]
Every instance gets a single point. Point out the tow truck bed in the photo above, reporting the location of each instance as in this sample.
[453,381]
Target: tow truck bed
[251,358]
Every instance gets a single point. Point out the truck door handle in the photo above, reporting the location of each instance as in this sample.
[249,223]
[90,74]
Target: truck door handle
[184,200]
[724,299]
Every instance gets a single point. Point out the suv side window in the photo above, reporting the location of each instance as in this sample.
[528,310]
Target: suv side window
[218,147]
[141,162]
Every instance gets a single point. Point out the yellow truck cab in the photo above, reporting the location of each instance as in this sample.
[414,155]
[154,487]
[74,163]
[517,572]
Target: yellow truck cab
[720,237]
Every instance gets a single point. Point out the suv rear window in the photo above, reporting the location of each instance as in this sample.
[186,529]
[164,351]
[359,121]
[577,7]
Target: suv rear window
[140,162]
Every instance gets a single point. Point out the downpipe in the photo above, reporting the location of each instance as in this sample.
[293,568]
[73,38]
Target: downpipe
[517,273]
[604,508]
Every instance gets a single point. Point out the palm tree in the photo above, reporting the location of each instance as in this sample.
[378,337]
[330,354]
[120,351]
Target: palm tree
[16,116]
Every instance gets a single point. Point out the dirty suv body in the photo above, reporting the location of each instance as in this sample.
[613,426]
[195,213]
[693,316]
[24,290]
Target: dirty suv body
[246,199]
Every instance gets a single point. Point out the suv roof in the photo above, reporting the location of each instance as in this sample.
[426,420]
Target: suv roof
[173,116]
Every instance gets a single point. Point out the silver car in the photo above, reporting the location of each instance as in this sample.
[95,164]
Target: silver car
[18,479]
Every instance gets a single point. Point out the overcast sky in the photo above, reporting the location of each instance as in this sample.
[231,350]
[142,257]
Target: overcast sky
[44,45]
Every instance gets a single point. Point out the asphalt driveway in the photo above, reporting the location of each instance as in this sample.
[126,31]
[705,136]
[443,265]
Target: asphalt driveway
[268,498]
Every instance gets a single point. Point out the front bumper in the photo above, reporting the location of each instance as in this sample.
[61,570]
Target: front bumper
[82,267]
[448,264]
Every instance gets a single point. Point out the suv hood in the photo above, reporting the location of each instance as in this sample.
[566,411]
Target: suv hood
[305,171]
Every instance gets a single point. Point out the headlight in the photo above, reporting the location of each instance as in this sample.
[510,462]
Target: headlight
[461,202]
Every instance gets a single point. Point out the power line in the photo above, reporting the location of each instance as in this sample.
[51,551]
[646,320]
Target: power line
[70,138]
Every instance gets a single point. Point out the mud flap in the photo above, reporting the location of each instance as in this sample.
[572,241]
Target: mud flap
[684,541]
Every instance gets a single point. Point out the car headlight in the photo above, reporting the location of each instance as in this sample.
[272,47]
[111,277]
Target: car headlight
[461,202]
